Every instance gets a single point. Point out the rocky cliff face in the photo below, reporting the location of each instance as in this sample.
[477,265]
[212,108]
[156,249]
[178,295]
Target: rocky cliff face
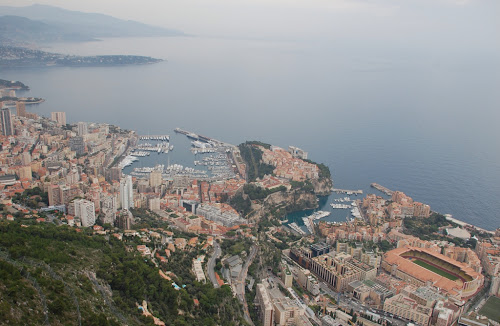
[281,203]
[322,187]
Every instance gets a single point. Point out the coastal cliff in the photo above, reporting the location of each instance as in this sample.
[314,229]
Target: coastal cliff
[274,189]
[322,187]
[279,204]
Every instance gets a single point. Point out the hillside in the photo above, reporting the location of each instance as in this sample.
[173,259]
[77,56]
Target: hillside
[22,29]
[56,275]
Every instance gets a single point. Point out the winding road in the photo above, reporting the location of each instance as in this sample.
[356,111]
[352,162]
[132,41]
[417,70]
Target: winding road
[211,264]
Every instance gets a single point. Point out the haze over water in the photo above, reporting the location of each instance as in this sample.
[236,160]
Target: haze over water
[422,123]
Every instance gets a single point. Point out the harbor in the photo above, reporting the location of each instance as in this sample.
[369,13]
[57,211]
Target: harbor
[196,157]
[309,220]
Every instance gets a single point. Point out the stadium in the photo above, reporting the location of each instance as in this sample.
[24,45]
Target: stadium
[422,267]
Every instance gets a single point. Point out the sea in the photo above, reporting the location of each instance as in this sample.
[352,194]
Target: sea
[424,123]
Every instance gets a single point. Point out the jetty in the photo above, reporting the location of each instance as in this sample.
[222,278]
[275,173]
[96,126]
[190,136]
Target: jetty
[202,138]
[155,137]
[385,190]
[347,191]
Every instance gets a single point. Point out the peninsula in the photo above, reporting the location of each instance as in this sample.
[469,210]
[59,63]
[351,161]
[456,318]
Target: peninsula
[11,57]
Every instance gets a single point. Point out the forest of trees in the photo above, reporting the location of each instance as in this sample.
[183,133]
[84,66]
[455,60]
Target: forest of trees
[45,265]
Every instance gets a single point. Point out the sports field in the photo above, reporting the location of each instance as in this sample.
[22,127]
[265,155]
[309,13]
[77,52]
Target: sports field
[435,269]
[491,309]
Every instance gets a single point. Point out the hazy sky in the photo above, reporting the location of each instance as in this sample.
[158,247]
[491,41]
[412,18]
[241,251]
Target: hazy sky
[454,25]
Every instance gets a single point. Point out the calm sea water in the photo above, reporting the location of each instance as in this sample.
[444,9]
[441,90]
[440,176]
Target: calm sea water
[421,123]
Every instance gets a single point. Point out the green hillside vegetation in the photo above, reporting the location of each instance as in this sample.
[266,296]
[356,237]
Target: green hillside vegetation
[424,227]
[56,275]
[252,155]
[9,83]
[256,192]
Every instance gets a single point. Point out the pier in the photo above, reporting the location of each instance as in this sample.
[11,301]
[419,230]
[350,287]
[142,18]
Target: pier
[382,188]
[347,191]
[155,137]
[195,136]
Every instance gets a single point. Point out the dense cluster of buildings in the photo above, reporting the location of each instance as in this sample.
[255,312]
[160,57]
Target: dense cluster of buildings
[424,282]
[489,254]
[289,166]
[77,165]
[378,210]
[277,309]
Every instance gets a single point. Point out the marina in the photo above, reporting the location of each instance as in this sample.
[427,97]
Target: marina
[309,220]
[161,147]
[211,160]
[127,161]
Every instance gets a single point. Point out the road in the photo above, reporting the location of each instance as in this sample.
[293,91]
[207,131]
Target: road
[211,264]
[240,283]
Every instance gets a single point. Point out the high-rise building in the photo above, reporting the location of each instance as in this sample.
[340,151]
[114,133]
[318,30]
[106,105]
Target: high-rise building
[84,209]
[25,172]
[155,179]
[154,204]
[59,118]
[108,208]
[126,193]
[63,194]
[82,129]
[6,120]
[125,220]
[20,109]
[77,144]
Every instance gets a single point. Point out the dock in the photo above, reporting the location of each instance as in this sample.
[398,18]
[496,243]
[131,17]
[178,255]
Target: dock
[155,137]
[382,188]
[347,191]
[196,136]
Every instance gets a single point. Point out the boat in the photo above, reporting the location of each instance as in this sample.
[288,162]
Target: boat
[319,214]
[309,224]
[340,206]
[296,228]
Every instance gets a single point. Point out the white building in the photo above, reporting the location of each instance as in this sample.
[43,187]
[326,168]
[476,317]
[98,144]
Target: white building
[126,193]
[154,204]
[82,129]
[85,210]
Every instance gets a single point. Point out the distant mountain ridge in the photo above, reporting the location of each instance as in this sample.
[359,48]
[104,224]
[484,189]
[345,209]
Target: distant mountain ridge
[22,29]
[42,23]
